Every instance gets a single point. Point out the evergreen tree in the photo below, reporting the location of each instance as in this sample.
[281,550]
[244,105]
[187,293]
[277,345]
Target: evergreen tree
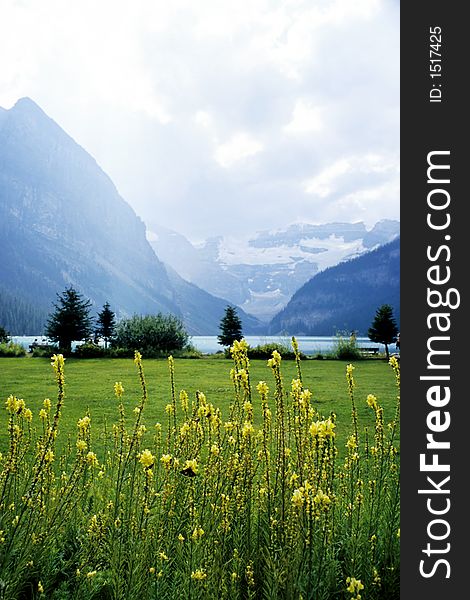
[230,327]
[384,328]
[106,324]
[70,321]
[4,336]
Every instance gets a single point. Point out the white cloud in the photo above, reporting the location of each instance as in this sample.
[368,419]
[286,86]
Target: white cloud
[187,103]
[306,118]
[237,148]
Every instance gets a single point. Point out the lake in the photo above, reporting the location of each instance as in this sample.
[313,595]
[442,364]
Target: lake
[207,344]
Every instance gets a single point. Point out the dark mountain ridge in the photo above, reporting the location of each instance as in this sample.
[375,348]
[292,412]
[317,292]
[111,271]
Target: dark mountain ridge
[344,297]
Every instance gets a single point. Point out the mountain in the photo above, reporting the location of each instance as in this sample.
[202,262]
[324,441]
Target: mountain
[344,297]
[62,222]
[261,273]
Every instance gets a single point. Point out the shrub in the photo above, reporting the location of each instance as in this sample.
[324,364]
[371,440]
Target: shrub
[346,348]
[44,351]
[152,335]
[89,350]
[265,351]
[11,350]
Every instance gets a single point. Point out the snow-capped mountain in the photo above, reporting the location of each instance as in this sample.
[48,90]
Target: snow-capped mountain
[261,272]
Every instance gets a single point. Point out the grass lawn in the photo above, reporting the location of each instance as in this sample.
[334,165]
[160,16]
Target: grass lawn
[89,385]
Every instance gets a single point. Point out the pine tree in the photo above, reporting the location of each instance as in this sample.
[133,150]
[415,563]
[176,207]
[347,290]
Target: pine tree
[106,324]
[4,335]
[71,320]
[230,327]
[384,328]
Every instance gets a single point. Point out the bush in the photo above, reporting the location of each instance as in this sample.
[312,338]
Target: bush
[11,350]
[152,335]
[44,351]
[346,348]
[265,351]
[89,350]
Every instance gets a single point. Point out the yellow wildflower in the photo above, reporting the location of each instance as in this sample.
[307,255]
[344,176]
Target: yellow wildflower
[247,429]
[49,456]
[166,460]
[197,533]
[83,424]
[118,389]
[354,586]
[12,404]
[28,415]
[40,588]
[147,459]
[298,498]
[81,445]
[190,467]
[91,459]
[199,574]
[275,361]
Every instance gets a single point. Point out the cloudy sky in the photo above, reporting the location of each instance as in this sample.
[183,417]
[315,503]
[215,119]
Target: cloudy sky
[220,116]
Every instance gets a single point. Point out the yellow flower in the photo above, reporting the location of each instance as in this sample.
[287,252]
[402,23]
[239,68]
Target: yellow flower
[28,415]
[275,361]
[180,538]
[152,570]
[298,498]
[147,459]
[47,404]
[40,588]
[49,456]
[262,388]
[83,424]
[166,460]
[91,459]
[12,404]
[81,445]
[118,389]
[184,429]
[199,574]
[372,401]
[163,556]
[190,467]
[91,574]
[354,585]
[197,533]
[169,409]
[184,400]
[247,429]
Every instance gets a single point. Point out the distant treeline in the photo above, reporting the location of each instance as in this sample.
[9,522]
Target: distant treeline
[19,317]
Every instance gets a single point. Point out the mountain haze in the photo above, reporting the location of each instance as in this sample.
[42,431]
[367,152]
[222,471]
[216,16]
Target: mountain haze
[63,222]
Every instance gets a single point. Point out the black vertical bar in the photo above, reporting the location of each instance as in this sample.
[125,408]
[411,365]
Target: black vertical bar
[434,75]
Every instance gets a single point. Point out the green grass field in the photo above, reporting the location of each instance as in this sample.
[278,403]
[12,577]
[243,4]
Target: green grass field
[89,386]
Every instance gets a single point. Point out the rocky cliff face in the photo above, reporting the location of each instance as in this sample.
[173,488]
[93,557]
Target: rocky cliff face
[344,297]
[63,222]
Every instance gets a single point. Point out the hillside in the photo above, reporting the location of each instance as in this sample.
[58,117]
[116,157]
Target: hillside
[63,222]
[344,297]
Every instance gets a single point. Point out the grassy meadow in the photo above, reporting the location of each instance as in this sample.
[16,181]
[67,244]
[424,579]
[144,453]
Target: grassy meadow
[89,386]
[191,479]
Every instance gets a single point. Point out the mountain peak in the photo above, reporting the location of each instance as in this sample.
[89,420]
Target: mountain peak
[26,104]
